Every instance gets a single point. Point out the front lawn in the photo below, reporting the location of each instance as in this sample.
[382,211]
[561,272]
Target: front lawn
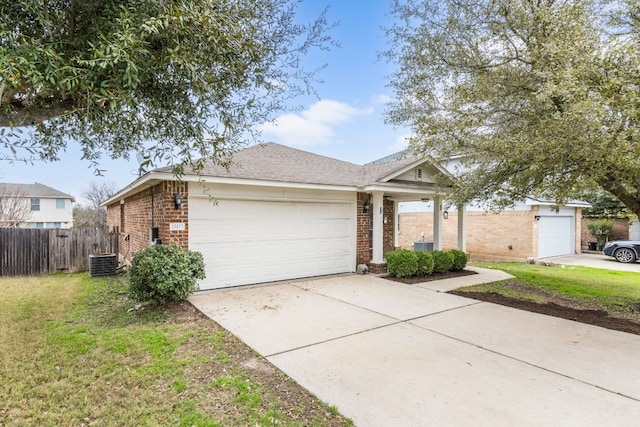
[616,293]
[74,350]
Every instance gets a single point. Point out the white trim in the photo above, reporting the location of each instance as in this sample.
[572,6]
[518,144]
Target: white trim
[571,204]
[428,161]
[378,227]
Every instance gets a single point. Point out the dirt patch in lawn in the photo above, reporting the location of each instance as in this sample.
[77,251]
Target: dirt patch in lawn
[233,359]
[544,302]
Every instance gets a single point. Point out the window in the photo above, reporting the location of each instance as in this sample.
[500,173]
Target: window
[59,203]
[35,204]
[52,225]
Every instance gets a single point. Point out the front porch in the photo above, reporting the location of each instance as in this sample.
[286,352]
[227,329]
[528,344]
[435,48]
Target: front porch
[377,224]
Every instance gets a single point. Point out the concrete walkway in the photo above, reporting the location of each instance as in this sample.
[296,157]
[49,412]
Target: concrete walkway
[389,354]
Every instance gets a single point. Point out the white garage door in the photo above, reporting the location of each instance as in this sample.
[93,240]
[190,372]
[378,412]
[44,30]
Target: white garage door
[245,242]
[555,236]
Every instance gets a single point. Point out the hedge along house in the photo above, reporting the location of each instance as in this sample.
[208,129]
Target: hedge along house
[276,213]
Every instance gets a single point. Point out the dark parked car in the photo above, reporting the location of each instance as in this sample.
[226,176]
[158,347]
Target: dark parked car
[623,250]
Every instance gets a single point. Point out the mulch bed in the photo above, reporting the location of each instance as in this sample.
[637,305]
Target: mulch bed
[593,317]
[429,278]
[557,309]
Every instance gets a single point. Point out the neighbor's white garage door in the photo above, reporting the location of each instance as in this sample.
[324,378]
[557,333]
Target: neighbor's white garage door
[555,236]
[245,242]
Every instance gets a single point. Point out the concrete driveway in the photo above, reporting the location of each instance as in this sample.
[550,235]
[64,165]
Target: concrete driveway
[389,354]
[595,261]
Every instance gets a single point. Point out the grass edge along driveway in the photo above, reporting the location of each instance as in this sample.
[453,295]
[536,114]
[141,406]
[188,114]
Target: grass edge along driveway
[74,350]
[617,292]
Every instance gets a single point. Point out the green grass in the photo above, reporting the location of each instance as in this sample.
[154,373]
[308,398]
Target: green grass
[74,350]
[609,289]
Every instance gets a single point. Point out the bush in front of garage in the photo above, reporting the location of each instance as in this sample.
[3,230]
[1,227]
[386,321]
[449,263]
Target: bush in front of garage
[402,263]
[165,273]
[442,261]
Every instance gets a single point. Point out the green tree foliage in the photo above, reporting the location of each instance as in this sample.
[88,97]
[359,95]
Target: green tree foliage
[603,204]
[538,97]
[186,79]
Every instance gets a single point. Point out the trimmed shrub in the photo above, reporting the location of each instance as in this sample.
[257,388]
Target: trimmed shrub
[442,261]
[402,263]
[460,259]
[601,229]
[425,263]
[164,273]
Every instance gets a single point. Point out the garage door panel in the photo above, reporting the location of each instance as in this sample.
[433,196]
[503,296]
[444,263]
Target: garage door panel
[246,242]
[555,236]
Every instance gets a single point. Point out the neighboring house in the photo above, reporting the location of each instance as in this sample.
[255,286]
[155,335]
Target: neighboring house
[532,229]
[44,207]
[277,213]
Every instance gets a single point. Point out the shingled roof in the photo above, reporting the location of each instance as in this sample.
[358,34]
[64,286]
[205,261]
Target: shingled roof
[275,162]
[36,190]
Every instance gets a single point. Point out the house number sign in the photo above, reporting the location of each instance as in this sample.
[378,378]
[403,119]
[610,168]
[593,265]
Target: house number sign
[176,226]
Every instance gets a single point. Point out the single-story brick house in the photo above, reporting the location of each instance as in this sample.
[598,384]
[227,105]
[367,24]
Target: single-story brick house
[532,229]
[277,213]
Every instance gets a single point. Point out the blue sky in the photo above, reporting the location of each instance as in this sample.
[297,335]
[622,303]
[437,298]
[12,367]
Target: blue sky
[346,123]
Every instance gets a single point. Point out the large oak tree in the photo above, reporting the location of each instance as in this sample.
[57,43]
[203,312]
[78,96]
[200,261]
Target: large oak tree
[537,97]
[185,79]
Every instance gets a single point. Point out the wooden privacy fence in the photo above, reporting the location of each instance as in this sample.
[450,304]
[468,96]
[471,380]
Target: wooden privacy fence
[28,252]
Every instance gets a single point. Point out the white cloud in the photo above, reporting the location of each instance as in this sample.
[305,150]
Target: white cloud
[382,99]
[313,126]
[402,142]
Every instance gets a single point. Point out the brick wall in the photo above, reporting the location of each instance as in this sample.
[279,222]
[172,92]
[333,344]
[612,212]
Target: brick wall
[152,207]
[507,236]
[620,231]
[363,244]
[387,229]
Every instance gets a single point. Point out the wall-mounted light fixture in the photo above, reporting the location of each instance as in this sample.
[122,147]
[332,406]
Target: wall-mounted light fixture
[177,201]
[445,214]
[385,218]
[537,217]
[366,207]
[424,199]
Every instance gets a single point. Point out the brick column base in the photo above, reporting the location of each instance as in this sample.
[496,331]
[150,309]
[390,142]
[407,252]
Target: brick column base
[377,268]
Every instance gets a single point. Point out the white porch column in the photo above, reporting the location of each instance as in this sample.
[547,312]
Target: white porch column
[396,224]
[437,223]
[462,228]
[377,244]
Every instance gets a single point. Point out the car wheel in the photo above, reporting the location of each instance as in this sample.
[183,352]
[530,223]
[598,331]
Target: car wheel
[625,255]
